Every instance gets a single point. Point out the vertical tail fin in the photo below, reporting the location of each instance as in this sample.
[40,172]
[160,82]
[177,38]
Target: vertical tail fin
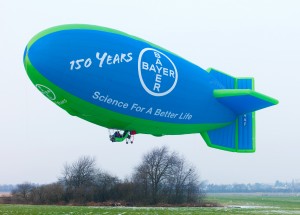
[236,137]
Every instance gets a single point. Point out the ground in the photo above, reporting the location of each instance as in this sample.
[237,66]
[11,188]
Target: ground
[232,204]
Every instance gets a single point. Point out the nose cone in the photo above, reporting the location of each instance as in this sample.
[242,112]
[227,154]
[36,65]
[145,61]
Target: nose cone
[34,64]
[35,67]
[25,59]
[42,55]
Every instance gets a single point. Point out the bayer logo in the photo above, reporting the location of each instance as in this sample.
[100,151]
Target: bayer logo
[46,91]
[158,74]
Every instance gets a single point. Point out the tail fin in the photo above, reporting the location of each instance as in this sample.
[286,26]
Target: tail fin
[243,100]
[239,96]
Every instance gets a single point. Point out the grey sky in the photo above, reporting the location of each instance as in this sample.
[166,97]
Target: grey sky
[255,38]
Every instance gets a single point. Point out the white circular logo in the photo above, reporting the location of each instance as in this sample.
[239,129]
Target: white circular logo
[46,91]
[158,74]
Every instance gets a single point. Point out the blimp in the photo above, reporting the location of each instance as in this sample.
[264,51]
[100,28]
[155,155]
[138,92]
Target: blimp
[122,82]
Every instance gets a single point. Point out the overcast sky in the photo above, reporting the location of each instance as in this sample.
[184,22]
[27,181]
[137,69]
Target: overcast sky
[255,38]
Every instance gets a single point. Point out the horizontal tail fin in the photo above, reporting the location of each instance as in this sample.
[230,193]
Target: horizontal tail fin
[243,100]
[238,95]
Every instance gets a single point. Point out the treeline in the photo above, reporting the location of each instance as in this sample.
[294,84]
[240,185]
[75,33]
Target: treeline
[6,187]
[162,177]
[277,187]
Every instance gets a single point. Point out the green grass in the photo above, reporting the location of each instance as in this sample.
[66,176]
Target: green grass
[282,201]
[235,204]
[259,203]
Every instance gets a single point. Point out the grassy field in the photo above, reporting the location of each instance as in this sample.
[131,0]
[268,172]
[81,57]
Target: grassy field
[233,204]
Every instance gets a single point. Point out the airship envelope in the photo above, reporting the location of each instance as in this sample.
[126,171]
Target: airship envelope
[119,81]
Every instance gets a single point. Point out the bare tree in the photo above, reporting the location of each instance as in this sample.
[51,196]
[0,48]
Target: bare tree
[78,179]
[23,192]
[80,173]
[104,186]
[164,176]
[155,168]
[141,182]
[54,193]
[183,182]
[48,194]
